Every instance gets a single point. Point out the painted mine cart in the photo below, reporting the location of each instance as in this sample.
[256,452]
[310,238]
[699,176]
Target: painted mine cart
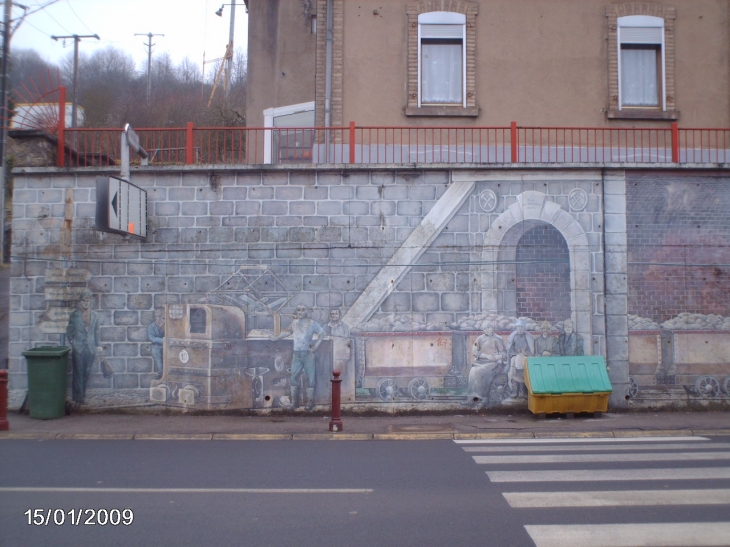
[404,365]
[690,362]
[211,362]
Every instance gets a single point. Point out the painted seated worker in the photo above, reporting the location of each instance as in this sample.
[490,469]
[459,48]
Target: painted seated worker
[520,346]
[546,344]
[83,335]
[302,331]
[570,343]
[489,354]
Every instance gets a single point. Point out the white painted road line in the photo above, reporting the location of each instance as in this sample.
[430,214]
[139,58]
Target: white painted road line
[625,498]
[602,448]
[704,534]
[582,458]
[585,440]
[589,475]
[192,490]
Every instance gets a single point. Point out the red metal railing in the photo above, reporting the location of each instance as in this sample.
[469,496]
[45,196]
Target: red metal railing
[400,145]
[703,145]
[397,145]
[594,145]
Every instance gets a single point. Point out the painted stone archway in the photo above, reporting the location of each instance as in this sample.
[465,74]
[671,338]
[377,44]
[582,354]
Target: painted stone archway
[499,254]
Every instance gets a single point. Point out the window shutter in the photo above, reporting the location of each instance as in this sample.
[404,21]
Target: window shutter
[442,31]
[641,35]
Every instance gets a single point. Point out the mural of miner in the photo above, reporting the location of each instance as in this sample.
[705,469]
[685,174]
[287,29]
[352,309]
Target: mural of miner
[570,343]
[489,354]
[82,334]
[520,346]
[302,331]
[156,333]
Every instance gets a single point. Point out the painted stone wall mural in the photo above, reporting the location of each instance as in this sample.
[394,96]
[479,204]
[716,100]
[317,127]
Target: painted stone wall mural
[679,276]
[427,289]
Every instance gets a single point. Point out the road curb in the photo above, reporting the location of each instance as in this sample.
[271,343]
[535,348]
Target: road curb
[252,437]
[420,436]
[493,435]
[710,432]
[95,436]
[173,437]
[413,436]
[575,435]
[332,437]
[655,433]
[28,436]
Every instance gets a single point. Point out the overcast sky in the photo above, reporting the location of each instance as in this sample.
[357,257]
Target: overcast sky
[190,27]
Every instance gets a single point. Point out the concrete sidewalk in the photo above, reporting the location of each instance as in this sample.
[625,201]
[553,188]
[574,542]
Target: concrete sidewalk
[521,424]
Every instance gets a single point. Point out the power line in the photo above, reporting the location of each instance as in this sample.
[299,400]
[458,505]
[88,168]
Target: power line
[39,30]
[59,24]
[77,15]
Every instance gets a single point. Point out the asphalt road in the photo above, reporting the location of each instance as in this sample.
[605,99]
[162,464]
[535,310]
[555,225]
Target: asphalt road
[521,492]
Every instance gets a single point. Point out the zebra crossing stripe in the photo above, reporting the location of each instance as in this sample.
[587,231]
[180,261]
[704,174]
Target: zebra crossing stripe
[581,458]
[623,498]
[604,448]
[698,534]
[576,440]
[584,475]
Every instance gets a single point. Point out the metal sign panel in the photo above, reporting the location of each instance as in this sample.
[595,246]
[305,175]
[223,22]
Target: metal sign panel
[121,207]
[132,138]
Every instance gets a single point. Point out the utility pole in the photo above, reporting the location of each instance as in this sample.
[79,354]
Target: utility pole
[4,119]
[149,61]
[77,38]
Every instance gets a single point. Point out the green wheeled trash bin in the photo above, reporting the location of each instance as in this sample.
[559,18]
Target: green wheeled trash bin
[47,367]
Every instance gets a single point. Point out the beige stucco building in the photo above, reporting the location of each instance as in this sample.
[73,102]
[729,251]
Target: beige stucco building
[587,63]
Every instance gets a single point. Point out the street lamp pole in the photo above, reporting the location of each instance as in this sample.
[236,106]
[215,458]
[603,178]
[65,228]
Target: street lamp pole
[229,49]
[229,63]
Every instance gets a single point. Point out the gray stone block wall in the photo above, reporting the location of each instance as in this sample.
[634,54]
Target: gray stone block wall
[325,234]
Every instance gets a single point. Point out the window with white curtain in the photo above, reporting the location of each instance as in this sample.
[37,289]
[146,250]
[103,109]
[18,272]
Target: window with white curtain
[441,58]
[641,62]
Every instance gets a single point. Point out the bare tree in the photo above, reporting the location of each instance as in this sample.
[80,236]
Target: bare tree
[112,92]
[188,72]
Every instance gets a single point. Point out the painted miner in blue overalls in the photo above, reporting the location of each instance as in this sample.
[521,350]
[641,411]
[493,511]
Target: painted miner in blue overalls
[302,331]
[82,334]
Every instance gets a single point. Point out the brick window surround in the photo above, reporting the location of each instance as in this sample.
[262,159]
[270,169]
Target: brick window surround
[668,14]
[470,10]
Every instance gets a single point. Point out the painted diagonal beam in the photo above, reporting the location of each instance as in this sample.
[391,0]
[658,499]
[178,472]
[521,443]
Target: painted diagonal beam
[388,278]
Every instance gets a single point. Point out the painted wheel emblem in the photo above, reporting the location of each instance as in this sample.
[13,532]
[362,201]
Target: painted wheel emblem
[184,356]
[488,201]
[578,199]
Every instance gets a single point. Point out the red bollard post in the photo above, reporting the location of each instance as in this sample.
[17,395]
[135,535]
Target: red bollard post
[336,421]
[4,424]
